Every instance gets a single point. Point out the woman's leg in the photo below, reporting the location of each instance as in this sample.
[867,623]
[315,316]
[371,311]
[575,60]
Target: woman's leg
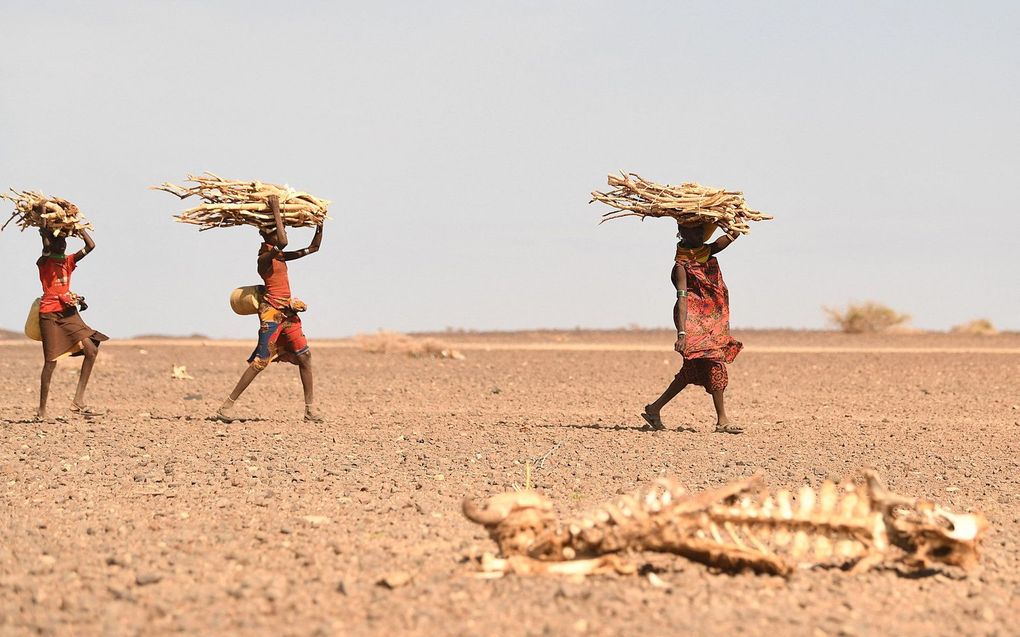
[223,413]
[681,380]
[304,362]
[44,387]
[90,351]
[717,381]
[249,375]
[675,387]
[269,331]
[719,400]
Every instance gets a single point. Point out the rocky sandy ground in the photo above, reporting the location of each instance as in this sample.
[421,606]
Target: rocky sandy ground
[154,520]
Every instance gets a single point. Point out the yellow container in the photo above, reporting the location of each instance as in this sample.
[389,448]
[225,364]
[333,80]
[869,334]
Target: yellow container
[245,300]
[32,329]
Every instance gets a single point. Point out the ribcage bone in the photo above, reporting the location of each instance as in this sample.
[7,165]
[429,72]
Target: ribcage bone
[738,526]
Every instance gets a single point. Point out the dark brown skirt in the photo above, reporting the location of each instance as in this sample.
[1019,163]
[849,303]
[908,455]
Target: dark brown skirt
[62,331]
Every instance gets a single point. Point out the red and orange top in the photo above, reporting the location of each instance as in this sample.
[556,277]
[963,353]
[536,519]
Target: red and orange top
[276,279]
[55,274]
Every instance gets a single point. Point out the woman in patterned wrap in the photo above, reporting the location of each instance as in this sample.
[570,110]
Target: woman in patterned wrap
[702,319]
[281,337]
[63,332]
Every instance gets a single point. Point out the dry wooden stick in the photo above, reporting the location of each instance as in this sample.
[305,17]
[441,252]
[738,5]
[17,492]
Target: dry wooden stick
[235,203]
[689,203]
[33,209]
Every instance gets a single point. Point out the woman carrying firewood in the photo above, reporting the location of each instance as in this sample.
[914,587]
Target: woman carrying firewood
[702,319]
[280,335]
[60,325]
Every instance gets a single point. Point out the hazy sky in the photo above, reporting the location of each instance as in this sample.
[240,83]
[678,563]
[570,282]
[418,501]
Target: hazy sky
[459,141]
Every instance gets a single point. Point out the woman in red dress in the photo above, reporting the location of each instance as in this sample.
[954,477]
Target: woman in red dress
[702,319]
[280,335]
[63,332]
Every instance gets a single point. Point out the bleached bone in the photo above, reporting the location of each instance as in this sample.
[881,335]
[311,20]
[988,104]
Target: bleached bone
[734,527]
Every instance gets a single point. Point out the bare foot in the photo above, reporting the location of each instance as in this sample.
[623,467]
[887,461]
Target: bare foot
[312,414]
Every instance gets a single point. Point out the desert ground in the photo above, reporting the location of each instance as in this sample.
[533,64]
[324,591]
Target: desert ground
[155,520]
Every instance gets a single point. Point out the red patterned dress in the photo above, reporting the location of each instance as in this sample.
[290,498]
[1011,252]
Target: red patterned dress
[709,345]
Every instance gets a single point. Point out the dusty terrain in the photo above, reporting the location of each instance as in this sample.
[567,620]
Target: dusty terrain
[154,520]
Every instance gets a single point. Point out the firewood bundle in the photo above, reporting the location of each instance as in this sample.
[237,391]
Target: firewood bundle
[35,210]
[238,203]
[689,203]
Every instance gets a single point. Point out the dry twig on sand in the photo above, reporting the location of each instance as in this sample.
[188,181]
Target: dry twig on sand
[59,216]
[539,461]
[531,465]
[689,203]
[238,203]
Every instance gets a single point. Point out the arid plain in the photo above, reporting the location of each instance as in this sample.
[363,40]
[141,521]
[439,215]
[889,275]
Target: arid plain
[155,520]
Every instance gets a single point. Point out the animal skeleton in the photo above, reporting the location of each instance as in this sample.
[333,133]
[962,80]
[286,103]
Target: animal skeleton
[734,527]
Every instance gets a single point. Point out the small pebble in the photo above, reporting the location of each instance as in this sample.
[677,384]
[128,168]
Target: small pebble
[396,580]
[144,579]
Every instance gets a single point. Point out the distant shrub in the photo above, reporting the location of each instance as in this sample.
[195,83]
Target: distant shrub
[386,342]
[860,318]
[977,327]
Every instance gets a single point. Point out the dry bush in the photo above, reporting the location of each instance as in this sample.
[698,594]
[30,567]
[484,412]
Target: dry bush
[977,327]
[860,318]
[385,342]
[382,342]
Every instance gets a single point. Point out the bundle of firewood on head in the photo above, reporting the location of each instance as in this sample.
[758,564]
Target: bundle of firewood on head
[689,203]
[245,203]
[35,210]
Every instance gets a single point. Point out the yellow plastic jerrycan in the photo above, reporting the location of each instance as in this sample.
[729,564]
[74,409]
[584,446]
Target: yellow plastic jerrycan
[245,300]
[32,329]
